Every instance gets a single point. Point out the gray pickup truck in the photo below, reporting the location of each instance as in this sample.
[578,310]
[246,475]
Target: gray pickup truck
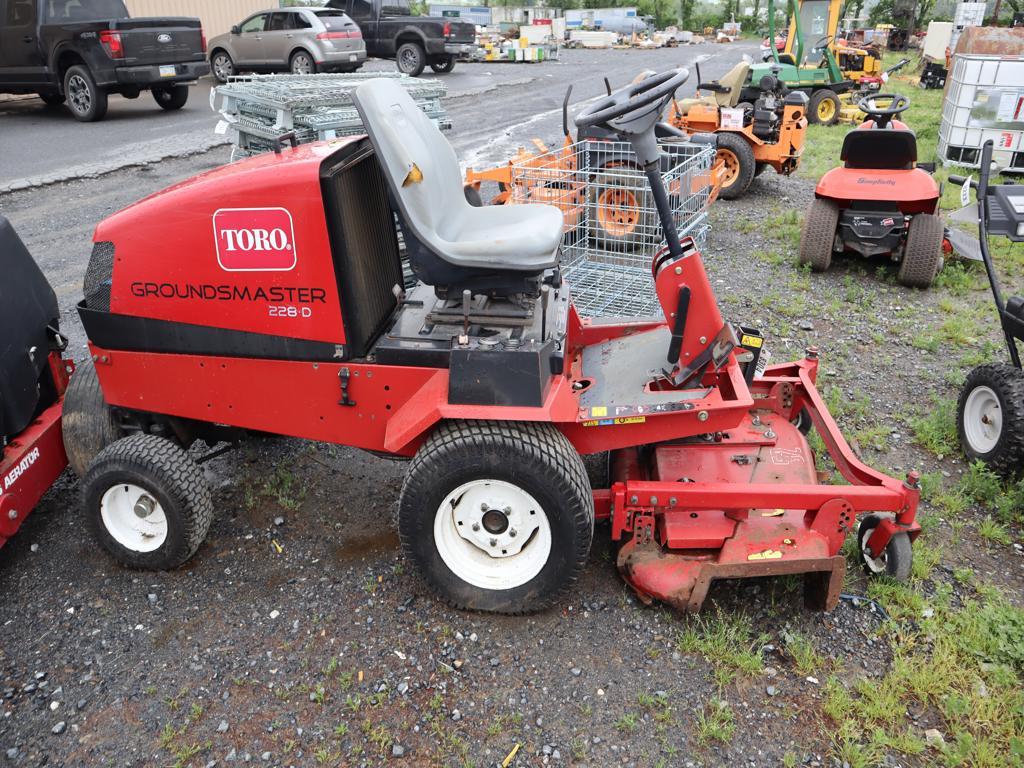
[80,51]
[392,32]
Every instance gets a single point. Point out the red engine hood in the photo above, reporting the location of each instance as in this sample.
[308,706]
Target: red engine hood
[915,191]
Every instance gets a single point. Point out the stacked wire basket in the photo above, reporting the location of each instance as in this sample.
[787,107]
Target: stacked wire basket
[260,109]
[612,228]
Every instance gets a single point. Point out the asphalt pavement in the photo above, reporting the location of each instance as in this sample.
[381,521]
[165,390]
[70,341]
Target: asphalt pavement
[494,106]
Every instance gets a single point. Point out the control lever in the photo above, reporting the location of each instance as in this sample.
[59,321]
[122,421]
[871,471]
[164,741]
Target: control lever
[467,297]
[545,297]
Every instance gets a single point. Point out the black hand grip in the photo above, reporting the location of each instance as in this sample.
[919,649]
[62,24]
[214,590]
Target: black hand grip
[290,137]
[960,181]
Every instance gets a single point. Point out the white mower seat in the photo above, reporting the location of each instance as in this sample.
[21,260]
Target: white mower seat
[426,182]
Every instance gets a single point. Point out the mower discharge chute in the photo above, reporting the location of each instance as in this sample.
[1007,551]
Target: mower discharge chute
[881,202]
[266,297]
[770,131]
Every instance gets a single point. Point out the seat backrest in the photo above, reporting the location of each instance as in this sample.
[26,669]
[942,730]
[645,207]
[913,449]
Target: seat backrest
[419,164]
[733,80]
[883,149]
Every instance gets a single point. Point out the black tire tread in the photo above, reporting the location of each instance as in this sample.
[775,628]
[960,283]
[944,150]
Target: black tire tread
[1007,381]
[745,156]
[816,98]
[178,475]
[100,99]
[900,552]
[539,443]
[422,62]
[87,421]
[922,253]
[819,233]
[177,97]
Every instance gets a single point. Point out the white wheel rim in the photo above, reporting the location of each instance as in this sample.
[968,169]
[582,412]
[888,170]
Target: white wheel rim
[133,517]
[983,420]
[492,534]
[875,564]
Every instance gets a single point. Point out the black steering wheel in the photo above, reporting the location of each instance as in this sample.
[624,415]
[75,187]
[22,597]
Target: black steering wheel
[623,110]
[822,43]
[883,115]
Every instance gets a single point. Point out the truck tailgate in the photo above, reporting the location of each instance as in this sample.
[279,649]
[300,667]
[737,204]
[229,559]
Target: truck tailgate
[160,40]
[461,32]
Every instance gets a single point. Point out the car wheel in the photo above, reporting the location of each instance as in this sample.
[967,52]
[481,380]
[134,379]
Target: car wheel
[84,98]
[990,418]
[738,158]
[497,516]
[171,97]
[410,59]
[819,235]
[222,65]
[443,64]
[147,502]
[302,63]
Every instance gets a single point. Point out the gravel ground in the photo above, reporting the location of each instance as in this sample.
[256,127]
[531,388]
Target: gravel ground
[298,636]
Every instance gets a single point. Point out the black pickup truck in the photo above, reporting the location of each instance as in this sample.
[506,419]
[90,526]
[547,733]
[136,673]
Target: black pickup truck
[392,32]
[79,51]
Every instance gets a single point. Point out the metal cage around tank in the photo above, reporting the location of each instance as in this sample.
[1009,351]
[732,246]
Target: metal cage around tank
[612,228]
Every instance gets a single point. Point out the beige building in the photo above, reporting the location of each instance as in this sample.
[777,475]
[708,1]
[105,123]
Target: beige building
[218,16]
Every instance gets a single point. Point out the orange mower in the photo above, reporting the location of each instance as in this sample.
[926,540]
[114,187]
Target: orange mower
[751,137]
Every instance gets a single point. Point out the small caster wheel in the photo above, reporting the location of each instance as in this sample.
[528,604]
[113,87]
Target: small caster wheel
[147,502]
[894,562]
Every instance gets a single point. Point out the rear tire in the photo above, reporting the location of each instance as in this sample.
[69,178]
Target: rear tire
[990,418]
[897,559]
[84,98]
[171,97]
[819,235]
[922,253]
[301,63]
[523,485]
[87,421]
[222,66]
[443,64]
[620,209]
[824,107]
[738,157]
[147,502]
[410,58]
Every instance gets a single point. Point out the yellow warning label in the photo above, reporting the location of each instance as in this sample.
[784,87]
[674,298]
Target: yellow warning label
[751,341]
[599,410]
[768,554]
[773,513]
[615,422]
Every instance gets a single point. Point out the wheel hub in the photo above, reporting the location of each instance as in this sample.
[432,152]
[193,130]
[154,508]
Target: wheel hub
[983,420]
[500,524]
[133,518]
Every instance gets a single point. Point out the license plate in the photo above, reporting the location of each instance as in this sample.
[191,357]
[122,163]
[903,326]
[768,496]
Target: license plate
[352,57]
[168,70]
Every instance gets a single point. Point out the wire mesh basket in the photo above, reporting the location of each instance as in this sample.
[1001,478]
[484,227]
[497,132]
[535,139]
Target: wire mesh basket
[612,228]
[260,108]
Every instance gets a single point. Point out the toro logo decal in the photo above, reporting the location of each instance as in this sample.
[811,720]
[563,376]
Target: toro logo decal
[254,239]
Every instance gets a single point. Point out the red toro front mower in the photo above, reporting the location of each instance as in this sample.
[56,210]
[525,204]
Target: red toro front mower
[882,202]
[33,377]
[266,297]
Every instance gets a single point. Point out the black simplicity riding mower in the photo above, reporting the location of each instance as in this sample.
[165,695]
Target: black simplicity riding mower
[881,202]
[266,297]
[990,411]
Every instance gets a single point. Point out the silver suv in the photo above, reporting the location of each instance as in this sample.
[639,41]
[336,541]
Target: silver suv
[300,40]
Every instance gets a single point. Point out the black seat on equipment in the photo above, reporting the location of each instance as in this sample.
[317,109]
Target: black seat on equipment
[885,149]
[27,306]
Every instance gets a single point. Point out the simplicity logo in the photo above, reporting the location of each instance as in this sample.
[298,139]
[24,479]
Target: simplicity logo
[887,182]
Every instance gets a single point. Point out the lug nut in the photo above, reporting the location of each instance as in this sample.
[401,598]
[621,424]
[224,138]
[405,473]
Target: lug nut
[484,507]
[511,533]
[476,526]
[494,542]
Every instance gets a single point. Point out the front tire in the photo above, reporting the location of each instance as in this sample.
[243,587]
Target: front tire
[87,422]
[819,235]
[171,97]
[222,66]
[922,253]
[497,516]
[824,107]
[738,157]
[990,418]
[443,64]
[147,502]
[84,98]
[897,559]
[410,58]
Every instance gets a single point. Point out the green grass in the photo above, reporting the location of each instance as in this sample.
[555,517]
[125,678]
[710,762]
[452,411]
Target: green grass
[727,641]
[805,657]
[715,723]
[935,429]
